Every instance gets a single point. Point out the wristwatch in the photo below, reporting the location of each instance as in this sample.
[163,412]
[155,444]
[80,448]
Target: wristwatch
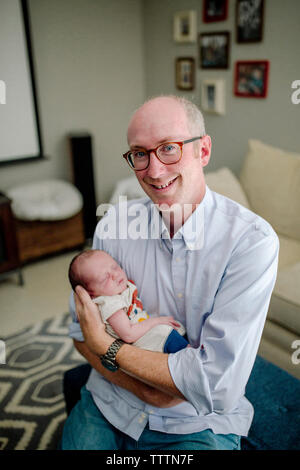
[108,360]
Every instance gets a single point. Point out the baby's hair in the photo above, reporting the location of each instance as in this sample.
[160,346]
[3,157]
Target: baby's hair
[74,277]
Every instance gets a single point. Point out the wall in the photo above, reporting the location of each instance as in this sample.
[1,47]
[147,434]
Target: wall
[90,76]
[96,60]
[275,119]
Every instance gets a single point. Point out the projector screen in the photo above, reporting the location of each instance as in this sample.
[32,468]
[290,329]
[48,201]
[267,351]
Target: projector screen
[20,137]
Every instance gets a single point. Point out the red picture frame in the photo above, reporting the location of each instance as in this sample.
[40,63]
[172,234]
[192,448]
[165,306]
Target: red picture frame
[215,10]
[251,78]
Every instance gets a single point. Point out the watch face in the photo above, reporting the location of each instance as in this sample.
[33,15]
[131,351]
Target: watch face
[109,365]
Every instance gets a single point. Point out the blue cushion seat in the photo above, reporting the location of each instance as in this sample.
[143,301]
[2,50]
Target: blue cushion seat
[275,396]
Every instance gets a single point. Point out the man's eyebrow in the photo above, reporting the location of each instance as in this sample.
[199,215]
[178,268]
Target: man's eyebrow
[162,141]
[135,146]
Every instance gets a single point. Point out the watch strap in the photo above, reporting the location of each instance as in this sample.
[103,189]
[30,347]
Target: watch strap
[108,360]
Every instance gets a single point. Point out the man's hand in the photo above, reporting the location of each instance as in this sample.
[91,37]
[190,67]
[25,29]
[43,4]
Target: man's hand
[92,326]
[157,398]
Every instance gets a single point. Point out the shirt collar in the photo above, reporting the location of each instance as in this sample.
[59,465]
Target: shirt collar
[192,231]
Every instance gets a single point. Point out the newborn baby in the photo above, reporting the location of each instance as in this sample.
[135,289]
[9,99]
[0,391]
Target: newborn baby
[121,309]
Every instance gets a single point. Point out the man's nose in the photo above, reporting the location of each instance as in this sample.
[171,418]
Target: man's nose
[156,167]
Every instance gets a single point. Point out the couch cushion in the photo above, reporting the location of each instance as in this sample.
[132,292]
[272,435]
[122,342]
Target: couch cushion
[271,180]
[289,252]
[273,352]
[223,181]
[276,346]
[285,303]
[129,187]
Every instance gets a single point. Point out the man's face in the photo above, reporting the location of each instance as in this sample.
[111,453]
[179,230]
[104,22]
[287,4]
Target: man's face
[164,120]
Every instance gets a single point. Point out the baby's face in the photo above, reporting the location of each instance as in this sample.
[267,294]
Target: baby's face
[103,275]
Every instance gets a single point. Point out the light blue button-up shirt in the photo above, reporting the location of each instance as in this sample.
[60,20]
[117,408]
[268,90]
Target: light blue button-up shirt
[215,276]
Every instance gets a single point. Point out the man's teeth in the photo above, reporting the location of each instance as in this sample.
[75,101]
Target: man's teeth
[164,185]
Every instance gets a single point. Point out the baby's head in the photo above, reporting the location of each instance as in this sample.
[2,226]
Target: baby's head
[98,273]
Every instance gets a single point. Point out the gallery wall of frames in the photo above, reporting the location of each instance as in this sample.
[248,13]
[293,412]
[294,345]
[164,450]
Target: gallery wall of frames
[249,77]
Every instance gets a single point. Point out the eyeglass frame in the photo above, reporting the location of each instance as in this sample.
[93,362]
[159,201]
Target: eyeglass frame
[125,155]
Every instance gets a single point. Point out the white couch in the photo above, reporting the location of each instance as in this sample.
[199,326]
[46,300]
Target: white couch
[269,185]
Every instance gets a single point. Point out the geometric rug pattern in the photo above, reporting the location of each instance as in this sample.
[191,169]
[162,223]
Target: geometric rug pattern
[32,407]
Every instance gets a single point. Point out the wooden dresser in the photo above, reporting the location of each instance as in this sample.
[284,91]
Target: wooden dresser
[10,261]
[40,238]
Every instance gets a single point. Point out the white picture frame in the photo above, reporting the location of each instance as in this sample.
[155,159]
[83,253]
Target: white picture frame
[185,26]
[213,96]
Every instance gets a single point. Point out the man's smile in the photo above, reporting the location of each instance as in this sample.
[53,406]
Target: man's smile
[163,187]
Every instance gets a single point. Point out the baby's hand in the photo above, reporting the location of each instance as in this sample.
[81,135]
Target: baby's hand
[168,321]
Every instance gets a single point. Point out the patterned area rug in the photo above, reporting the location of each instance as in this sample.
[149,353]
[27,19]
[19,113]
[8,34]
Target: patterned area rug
[32,407]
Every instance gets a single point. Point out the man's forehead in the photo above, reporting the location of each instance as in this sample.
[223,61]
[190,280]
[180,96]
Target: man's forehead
[159,121]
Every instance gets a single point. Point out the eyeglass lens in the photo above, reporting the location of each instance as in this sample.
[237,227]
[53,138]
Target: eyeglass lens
[167,153]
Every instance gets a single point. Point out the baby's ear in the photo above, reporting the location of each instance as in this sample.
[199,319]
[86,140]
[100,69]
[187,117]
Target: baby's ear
[91,293]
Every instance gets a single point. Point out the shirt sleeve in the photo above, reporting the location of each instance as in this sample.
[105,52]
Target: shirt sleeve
[231,333]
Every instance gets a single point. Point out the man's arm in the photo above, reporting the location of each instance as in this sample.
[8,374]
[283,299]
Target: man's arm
[152,368]
[145,392]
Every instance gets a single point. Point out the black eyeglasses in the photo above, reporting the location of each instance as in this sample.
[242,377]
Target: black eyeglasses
[168,153]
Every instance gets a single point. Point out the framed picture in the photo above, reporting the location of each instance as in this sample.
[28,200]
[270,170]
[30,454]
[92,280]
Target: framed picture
[185,26]
[249,20]
[185,73]
[214,50]
[213,96]
[251,78]
[215,10]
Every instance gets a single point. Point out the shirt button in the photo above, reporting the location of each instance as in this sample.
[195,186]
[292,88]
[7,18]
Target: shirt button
[142,417]
[179,295]
[178,259]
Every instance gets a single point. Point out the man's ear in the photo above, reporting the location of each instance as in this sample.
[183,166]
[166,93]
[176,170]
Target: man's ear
[205,150]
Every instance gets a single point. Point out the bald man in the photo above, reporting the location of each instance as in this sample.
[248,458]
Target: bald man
[212,265]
